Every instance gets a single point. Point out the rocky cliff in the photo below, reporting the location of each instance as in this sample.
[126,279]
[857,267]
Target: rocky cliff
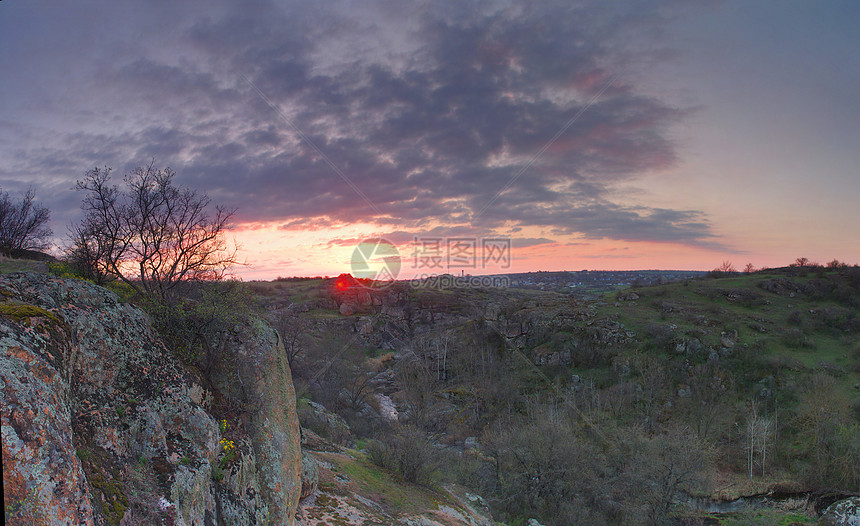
[101,425]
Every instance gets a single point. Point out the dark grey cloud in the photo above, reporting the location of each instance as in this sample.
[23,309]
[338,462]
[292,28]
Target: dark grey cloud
[431,110]
[525,242]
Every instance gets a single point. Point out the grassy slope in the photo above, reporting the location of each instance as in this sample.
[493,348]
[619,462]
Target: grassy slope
[767,325]
[9,265]
[763,320]
[354,491]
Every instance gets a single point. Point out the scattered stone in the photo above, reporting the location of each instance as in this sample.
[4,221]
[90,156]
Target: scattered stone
[689,346]
[628,296]
[476,500]
[728,340]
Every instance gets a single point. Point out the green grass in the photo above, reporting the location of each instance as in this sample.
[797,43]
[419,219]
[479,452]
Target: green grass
[373,481]
[706,308]
[324,314]
[10,265]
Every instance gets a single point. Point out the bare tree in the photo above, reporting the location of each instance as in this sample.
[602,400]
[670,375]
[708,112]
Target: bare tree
[727,267]
[293,330]
[84,253]
[666,466]
[822,408]
[707,403]
[23,225]
[801,262]
[749,268]
[758,432]
[358,390]
[154,235]
[434,350]
[836,264]
[650,391]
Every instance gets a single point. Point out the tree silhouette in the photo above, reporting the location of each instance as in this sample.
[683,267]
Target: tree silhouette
[23,224]
[154,235]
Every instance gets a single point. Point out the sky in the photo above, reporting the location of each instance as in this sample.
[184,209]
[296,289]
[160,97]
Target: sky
[587,135]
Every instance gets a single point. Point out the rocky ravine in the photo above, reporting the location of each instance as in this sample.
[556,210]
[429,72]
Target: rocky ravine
[101,425]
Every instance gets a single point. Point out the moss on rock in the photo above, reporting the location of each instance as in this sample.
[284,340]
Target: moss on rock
[23,312]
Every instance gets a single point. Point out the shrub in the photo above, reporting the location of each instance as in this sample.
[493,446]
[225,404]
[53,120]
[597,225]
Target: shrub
[408,453]
[195,326]
[795,318]
[659,336]
[838,318]
[795,338]
[747,298]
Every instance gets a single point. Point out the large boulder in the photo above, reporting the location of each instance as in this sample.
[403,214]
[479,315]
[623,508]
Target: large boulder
[843,513]
[252,371]
[101,424]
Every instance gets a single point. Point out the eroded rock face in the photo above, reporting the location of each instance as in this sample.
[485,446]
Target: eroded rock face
[252,372]
[42,476]
[101,425]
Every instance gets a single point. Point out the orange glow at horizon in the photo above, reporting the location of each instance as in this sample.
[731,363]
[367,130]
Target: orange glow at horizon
[273,252]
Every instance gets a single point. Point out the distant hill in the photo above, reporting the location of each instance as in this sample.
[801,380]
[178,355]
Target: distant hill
[589,282]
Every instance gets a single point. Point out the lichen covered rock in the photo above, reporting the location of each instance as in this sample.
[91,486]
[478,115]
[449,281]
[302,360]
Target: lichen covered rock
[43,480]
[101,424]
[252,372]
[310,474]
[843,513]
